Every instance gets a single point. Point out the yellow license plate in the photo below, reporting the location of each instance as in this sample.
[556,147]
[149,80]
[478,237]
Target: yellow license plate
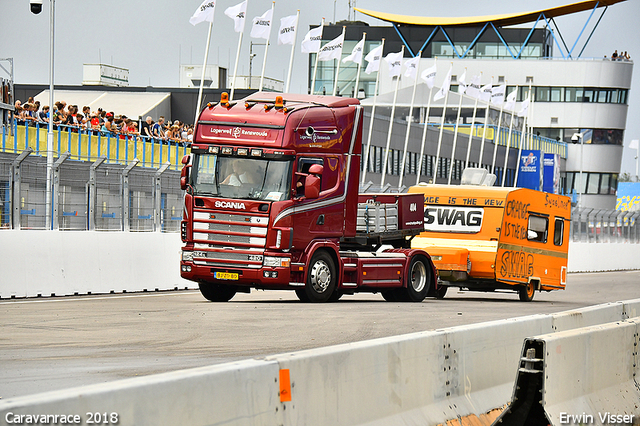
[226,275]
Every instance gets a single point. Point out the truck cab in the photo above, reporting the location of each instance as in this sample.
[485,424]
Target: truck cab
[272,200]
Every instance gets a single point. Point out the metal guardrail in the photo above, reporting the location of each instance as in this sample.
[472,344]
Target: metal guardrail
[90,145]
[605,226]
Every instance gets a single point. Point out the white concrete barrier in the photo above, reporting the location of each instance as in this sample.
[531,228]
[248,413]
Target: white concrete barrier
[600,257]
[583,376]
[421,378]
[46,263]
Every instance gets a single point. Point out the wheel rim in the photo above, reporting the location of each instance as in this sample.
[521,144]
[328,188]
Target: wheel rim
[320,276]
[530,290]
[418,276]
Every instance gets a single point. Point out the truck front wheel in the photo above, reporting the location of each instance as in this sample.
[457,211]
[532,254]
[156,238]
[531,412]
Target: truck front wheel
[321,279]
[418,281]
[217,292]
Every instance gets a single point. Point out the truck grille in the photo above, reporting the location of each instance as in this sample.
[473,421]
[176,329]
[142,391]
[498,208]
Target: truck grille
[229,240]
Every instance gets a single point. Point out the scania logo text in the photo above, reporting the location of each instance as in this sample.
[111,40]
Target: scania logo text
[229,205]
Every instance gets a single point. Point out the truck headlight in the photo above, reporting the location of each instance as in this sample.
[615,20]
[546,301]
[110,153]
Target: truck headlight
[187,256]
[276,262]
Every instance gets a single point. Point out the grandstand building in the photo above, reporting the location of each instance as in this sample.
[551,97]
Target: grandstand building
[579,108]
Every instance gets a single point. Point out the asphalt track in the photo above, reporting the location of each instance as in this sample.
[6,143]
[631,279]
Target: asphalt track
[55,343]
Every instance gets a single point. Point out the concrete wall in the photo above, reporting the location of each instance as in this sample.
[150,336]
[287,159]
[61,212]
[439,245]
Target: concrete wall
[43,263]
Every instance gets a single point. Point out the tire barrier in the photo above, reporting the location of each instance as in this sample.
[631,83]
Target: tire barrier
[426,378]
[588,375]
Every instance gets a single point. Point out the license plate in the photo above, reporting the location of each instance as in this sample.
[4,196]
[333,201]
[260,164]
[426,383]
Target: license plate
[226,275]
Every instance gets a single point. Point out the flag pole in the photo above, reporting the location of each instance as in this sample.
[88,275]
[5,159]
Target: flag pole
[293,48]
[315,68]
[364,37]
[373,110]
[523,138]
[335,84]
[444,110]
[496,137]
[393,110]
[424,131]
[266,47]
[484,128]
[410,118]
[471,128]
[455,133]
[235,68]
[506,154]
[204,67]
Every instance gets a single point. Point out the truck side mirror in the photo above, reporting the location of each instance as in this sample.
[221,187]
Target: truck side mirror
[184,174]
[312,182]
[312,187]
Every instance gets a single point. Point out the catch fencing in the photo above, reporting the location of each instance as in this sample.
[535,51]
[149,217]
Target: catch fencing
[605,226]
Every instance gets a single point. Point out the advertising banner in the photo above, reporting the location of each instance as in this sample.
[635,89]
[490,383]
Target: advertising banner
[531,169]
[551,173]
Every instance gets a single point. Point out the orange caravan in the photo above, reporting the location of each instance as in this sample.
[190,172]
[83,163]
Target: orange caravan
[487,238]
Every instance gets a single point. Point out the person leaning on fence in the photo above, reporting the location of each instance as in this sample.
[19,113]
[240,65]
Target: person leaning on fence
[145,130]
[156,129]
[43,115]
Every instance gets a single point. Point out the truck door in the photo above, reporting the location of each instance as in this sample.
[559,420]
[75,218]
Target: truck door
[321,217]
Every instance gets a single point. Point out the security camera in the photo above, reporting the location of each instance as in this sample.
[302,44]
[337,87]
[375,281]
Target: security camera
[575,138]
[36,6]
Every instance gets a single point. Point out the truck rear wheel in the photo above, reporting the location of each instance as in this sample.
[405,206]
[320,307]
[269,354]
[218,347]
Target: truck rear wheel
[418,281]
[217,292]
[527,291]
[321,279]
[441,292]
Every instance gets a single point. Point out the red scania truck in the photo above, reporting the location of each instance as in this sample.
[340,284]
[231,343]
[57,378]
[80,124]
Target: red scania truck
[272,202]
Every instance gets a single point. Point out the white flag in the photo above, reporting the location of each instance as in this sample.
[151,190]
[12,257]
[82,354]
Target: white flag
[485,93]
[462,83]
[633,144]
[429,76]
[204,12]
[373,59]
[473,89]
[525,108]
[394,60]
[262,25]
[497,94]
[445,86]
[311,42]
[287,32]
[356,53]
[511,101]
[411,66]
[332,50]
[237,13]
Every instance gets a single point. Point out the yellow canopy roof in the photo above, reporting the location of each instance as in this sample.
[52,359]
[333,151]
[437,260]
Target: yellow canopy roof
[498,20]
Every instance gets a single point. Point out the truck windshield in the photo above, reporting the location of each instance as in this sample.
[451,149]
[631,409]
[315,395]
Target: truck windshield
[241,178]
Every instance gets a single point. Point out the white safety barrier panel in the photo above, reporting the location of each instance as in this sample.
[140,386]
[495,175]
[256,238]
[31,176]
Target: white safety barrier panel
[422,378]
[589,375]
[600,257]
[45,263]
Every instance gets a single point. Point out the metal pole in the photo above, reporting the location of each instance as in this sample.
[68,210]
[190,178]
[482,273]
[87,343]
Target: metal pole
[393,110]
[51,111]
[364,37]
[455,134]
[410,118]
[56,188]
[582,185]
[157,194]
[315,68]
[335,84]
[235,68]
[204,67]
[91,198]
[266,48]
[373,110]
[293,48]
[424,136]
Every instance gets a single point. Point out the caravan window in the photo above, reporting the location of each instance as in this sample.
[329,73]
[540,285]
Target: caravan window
[558,231]
[538,228]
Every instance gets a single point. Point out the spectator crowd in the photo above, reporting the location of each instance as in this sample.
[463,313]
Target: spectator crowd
[622,56]
[69,117]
